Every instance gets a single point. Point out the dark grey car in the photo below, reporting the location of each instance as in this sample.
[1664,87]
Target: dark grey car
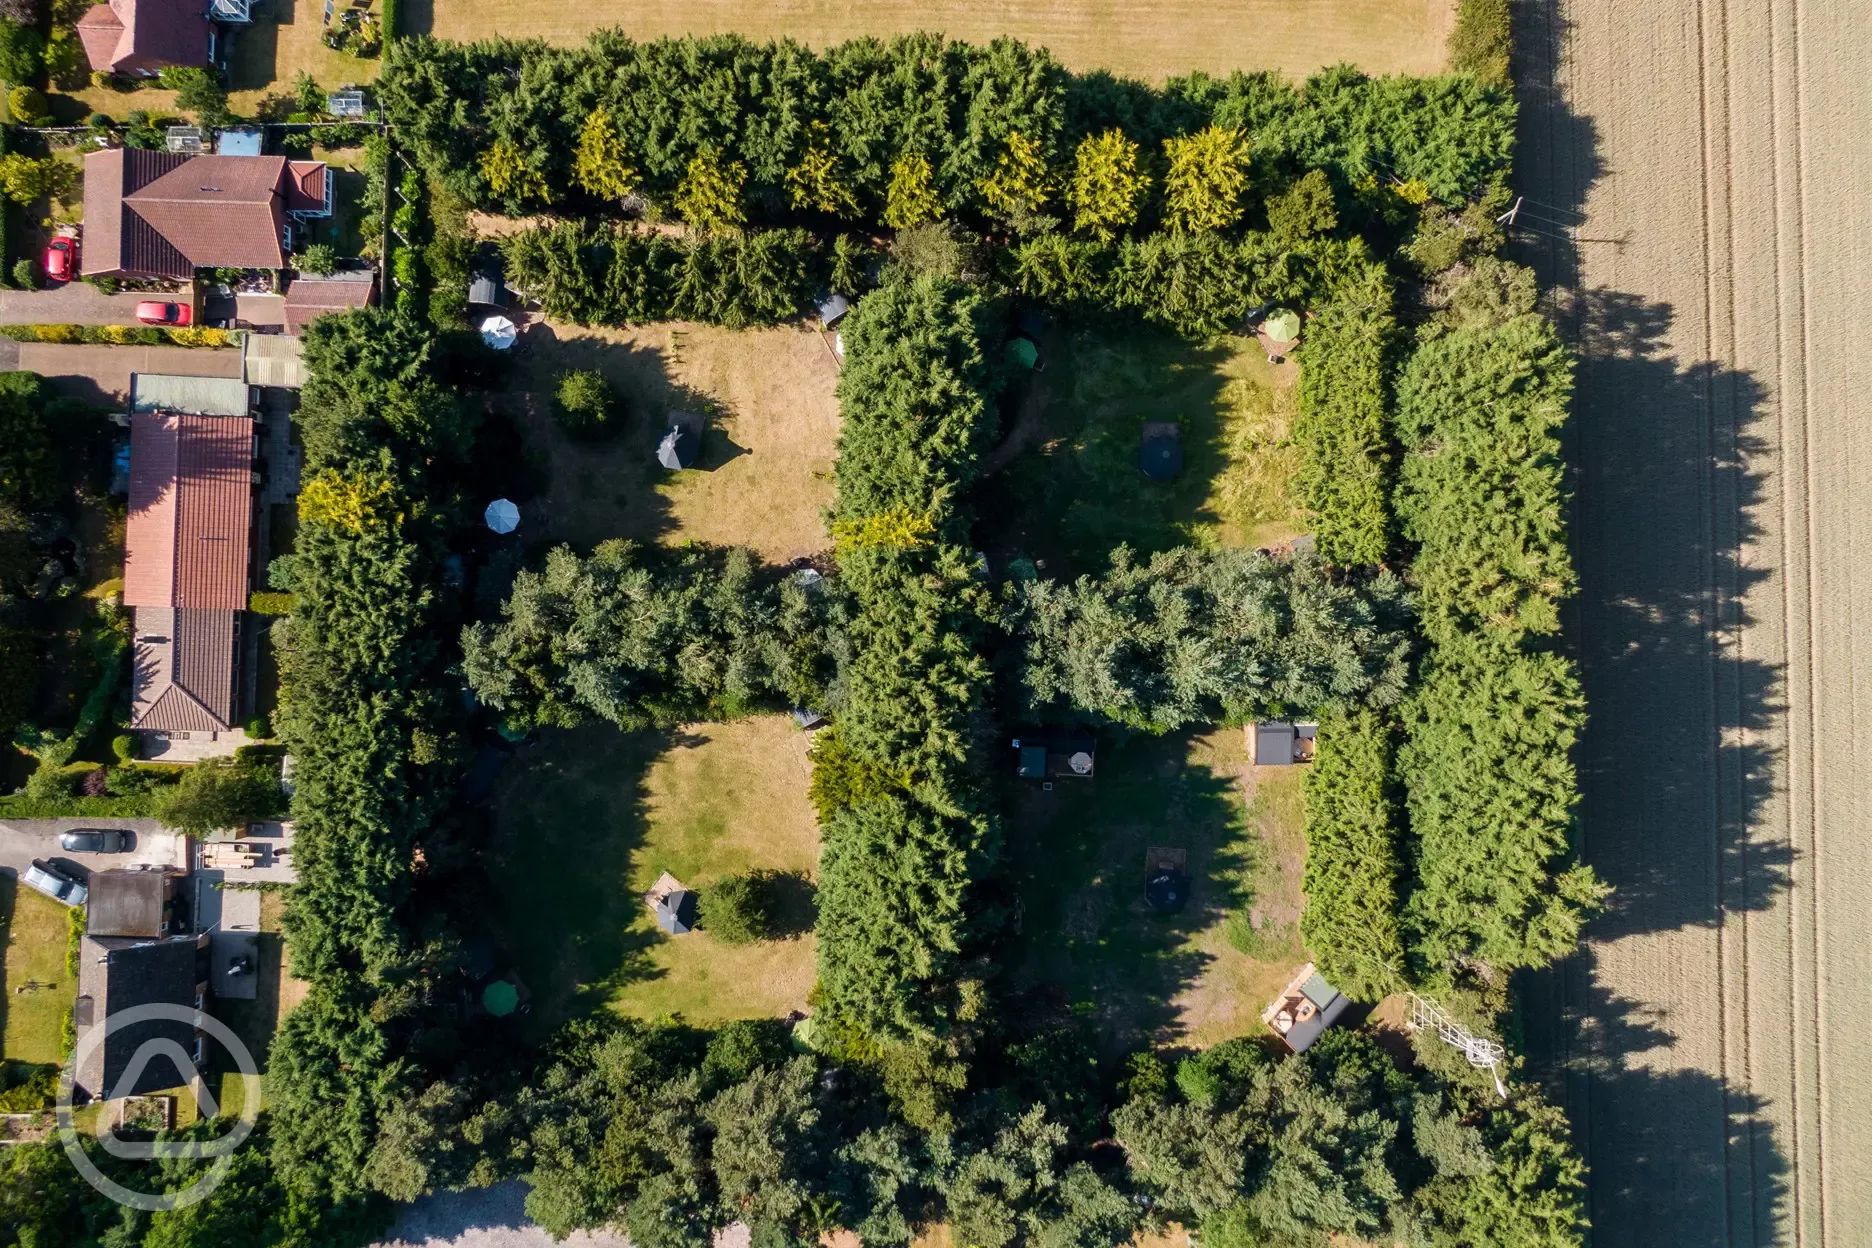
[94,841]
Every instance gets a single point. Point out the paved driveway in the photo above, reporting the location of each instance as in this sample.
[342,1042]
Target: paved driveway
[71,304]
[101,374]
[22,840]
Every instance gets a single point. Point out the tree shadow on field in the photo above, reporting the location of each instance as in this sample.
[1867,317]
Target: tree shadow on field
[570,814]
[1678,1156]
[1676,763]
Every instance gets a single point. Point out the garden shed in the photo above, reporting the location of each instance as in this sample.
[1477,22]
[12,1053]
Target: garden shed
[487,282]
[1305,1008]
[832,310]
[1277,743]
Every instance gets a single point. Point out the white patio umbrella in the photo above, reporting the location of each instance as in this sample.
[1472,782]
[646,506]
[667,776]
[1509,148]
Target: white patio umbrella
[498,332]
[502,516]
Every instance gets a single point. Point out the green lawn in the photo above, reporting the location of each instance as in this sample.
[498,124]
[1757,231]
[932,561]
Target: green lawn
[39,991]
[587,819]
[1065,487]
[1089,942]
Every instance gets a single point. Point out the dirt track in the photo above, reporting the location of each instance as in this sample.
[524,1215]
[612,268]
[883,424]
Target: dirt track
[1717,1031]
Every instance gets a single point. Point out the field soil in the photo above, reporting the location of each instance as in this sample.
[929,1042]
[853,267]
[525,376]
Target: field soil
[1150,39]
[1716,1032]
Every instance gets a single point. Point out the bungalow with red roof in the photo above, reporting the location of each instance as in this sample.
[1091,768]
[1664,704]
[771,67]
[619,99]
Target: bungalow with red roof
[141,38]
[187,549]
[165,214]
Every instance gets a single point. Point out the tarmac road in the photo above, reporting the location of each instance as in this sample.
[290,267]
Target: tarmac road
[1716,1032]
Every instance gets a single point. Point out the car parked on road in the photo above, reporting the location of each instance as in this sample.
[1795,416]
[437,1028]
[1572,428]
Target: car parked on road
[94,841]
[55,884]
[61,258]
[162,312]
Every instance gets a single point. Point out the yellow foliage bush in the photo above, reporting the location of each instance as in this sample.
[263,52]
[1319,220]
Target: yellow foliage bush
[354,504]
[894,529]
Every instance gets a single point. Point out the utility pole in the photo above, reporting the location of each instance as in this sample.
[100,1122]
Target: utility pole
[1508,218]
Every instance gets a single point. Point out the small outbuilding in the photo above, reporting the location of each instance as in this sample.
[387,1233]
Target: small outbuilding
[832,310]
[487,282]
[1305,1008]
[807,720]
[346,103]
[1277,743]
[1160,450]
[681,442]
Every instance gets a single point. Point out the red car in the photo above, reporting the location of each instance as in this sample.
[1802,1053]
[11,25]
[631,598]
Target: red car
[158,312]
[61,259]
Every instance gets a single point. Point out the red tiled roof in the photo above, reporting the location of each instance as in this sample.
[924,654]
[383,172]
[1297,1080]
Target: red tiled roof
[127,35]
[100,30]
[188,540]
[311,297]
[182,679]
[166,214]
[305,186]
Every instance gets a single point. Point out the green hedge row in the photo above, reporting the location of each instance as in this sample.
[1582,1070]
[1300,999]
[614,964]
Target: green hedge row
[595,275]
[503,123]
[896,911]
[1487,761]
[1354,867]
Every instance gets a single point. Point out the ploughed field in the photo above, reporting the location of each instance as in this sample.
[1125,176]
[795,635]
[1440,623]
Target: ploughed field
[1148,39]
[1715,1031]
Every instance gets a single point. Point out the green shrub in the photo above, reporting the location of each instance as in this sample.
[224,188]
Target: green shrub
[22,52]
[219,795]
[26,273]
[739,909]
[320,258]
[124,746]
[1481,41]
[260,728]
[27,106]
[1343,428]
[29,1087]
[584,401]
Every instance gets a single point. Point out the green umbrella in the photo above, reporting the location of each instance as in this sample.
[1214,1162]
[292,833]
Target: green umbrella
[1022,354]
[500,998]
[1281,325]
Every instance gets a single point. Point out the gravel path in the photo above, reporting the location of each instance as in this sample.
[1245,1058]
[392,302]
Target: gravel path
[1717,1030]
